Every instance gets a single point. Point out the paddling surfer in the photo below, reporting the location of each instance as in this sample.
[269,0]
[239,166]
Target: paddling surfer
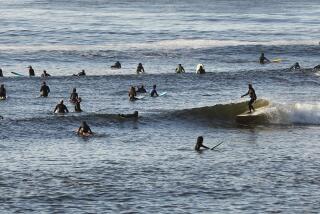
[140,68]
[116,65]
[154,92]
[84,129]
[253,97]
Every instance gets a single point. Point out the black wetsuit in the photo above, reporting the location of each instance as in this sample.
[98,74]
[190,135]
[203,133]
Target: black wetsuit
[74,97]
[45,90]
[31,72]
[141,90]
[85,128]
[3,92]
[61,108]
[154,93]
[1,74]
[77,107]
[252,95]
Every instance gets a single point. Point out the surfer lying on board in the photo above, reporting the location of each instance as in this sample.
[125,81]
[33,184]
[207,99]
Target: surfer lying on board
[116,65]
[61,108]
[132,94]
[154,92]
[134,115]
[295,66]
[253,97]
[44,90]
[74,96]
[84,129]
[263,59]
[199,144]
[3,92]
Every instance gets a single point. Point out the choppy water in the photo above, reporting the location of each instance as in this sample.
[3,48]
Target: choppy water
[149,165]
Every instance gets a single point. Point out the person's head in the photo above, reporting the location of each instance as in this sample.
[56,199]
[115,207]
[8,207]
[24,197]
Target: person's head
[296,64]
[142,86]
[61,101]
[200,140]
[74,90]
[84,123]
[179,65]
[30,67]
[44,71]
[43,83]
[83,71]
[140,64]
[2,86]
[262,54]
[250,85]
[135,113]
[154,86]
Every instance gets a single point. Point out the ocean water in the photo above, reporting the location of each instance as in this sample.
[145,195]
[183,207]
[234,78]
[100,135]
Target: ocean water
[144,165]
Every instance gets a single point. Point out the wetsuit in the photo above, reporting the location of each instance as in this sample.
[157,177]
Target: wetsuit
[1,74]
[132,94]
[141,90]
[116,65]
[154,93]
[77,107]
[31,72]
[3,92]
[74,97]
[140,69]
[253,98]
[84,128]
[180,69]
[61,108]
[45,90]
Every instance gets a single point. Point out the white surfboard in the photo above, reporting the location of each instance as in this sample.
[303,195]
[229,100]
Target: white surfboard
[250,117]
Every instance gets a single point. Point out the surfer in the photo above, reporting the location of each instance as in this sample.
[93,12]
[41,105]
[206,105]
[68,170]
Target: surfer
[199,144]
[74,96]
[84,129]
[81,73]
[3,92]
[154,92]
[295,66]
[77,107]
[180,69]
[116,65]
[253,97]
[44,90]
[45,74]
[132,94]
[61,108]
[316,68]
[140,68]
[31,71]
[1,74]
[263,59]
[200,69]
[141,89]
[134,115]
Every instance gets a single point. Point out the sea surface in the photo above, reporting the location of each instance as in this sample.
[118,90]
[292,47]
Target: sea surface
[148,165]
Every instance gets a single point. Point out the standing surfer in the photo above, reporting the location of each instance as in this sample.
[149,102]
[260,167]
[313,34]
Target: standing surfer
[44,90]
[253,97]
[263,59]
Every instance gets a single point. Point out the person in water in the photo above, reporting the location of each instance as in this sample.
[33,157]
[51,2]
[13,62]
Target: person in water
[295,66]
[1,74]
[84,128]
[316,68]
[134,115]
[45,74]
[77,107]
[154,92]
[253,97]
[140,68]
[31,71]
[117,65]
[44,90]
[199,144]
[200,69]
[180,69]
[132,94]
[74,96]
[61,108]
[81,73]
[263,59]
[141,89]
[3,92]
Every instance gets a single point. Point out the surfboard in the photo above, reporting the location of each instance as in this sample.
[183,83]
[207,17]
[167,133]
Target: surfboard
[276,60]
[247,117]
[162,93]
[17,74]
[140,97]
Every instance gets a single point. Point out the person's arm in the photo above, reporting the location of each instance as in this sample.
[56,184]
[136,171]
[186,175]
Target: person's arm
[266,59]
[55,109]
[89,130]
[142,69]
[245,94]
[183,69]
[205,147]
[66,109]
[156,93]
[78,132]
[48,89]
